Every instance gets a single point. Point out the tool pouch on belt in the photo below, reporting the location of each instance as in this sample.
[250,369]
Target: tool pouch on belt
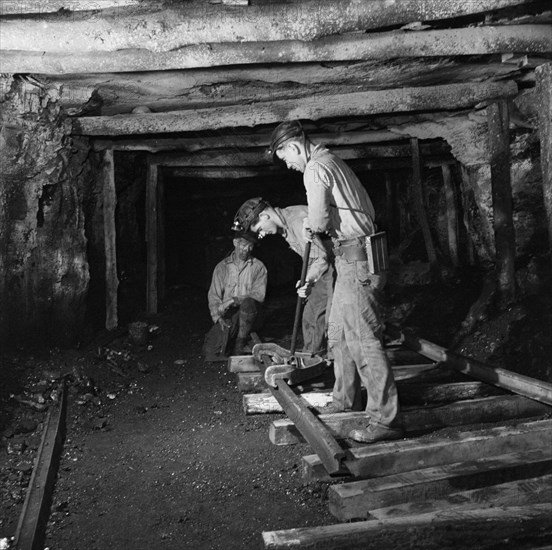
[376,252]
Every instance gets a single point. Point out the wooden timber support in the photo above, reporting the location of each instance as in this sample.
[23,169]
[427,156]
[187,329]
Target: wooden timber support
[505,245]
[395,457]
[512,381]
[152,236]
[372,534]
[543,75]
[241,141]
[537,490]
[449,96]
[109,195]
[170,29]
[486,40]
[419,201]
[424,418]
[236,156]
[238,172]
[31,528]
[354,500]
[452,215]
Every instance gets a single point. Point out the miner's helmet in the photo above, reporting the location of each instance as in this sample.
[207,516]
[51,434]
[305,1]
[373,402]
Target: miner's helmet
[247,213]
[246,235]
[286,130]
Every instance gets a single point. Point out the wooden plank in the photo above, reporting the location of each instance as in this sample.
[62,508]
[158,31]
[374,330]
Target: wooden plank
[448,96]
[409,394]
[152,236]
[109,195]
[543,76]
[536,490]
[384,458]
[498,122]
[420,202]
[261,403]
[239,172]
[31,527]
[181,25]
[243,363]
[452,214]
[161,237]
[512,381]
[41,7]
[252,381]
[453,526]
[419,394]
[398,357]
[356,499]
[460,413]
[241,140]
[258,156]
[348,47]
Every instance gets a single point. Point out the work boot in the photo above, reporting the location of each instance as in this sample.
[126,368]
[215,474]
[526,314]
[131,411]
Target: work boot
[332,408]
[376,432]
[239,346]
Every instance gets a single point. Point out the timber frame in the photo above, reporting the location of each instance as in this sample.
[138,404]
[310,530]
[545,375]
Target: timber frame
[181,83]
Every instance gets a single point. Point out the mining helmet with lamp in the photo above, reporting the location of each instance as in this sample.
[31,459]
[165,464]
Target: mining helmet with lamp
[288,129]
[248,212]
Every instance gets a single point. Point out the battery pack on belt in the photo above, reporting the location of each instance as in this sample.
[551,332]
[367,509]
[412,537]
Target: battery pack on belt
[373,251]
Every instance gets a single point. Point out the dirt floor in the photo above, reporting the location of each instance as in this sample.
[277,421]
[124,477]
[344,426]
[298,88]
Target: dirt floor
[159,453]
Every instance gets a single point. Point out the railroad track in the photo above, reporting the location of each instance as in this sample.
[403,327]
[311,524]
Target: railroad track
[477,456]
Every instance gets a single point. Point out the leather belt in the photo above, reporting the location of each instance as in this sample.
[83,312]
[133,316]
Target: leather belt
[352,253]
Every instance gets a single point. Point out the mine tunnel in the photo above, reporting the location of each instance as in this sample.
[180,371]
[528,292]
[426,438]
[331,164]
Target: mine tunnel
[384,170]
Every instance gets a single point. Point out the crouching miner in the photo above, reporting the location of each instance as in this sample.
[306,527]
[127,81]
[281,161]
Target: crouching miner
[339,204]
[235,296]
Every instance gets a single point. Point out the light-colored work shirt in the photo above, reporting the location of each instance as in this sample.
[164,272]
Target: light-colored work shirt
[232,278]
[338,203]
[292,219]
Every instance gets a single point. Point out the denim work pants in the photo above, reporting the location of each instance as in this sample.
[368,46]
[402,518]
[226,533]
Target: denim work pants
[355,338]
[315,314]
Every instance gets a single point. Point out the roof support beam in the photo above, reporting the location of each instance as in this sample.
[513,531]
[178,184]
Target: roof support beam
[352,47]
[240,141]
[237,156]
[170,29]
[451,96]
[544,95]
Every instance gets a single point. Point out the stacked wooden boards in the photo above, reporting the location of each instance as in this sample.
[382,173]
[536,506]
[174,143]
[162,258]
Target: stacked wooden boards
[474,454]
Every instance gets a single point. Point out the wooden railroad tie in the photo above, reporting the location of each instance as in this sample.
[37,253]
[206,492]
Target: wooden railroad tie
[372,535]
[458,413]
[394,457]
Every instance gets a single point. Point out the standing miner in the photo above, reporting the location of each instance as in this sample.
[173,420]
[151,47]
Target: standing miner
[339,205]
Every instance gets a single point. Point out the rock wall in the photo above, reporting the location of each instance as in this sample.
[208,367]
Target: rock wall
[44,272]
[467,136]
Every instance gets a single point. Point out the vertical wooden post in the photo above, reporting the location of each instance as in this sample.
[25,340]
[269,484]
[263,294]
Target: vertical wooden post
[393,229]
[109,195]
[151,236]
[418,193]
[161,248]
[499,148]
[452,214]
[543,75]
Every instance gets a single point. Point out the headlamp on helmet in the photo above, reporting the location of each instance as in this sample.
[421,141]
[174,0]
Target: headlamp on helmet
[247,213]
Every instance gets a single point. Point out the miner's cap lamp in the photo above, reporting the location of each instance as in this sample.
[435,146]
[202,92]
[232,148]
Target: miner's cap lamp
[247,212]
[286,130]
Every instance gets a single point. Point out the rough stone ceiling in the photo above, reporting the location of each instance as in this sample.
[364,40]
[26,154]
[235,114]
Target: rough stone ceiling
[270,60]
